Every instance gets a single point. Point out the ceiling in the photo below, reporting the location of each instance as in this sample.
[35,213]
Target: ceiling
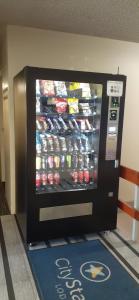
[117,19]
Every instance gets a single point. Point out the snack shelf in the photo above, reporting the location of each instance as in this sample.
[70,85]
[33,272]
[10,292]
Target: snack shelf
[64,152]
[89,99]
[65,186]
[64,115]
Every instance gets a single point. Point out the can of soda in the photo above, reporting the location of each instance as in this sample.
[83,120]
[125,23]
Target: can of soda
[38,180]
[50,178]
[80,176]
[44,178]
[56,178]
[74,176]
[50,162]
[86,176]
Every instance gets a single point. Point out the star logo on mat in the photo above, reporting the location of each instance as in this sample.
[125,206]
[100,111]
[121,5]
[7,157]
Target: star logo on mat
[95,271]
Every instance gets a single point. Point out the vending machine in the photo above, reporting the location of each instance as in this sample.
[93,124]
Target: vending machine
[68,133]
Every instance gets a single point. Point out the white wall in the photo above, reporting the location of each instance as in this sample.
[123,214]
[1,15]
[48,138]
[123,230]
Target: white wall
[42,48]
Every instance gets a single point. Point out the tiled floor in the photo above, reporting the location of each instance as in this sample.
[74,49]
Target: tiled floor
[19,278]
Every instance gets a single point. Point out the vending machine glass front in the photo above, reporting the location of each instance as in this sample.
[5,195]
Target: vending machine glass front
[67,135]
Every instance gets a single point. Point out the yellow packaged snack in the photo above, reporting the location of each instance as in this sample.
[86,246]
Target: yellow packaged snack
[74,86]
[73,105]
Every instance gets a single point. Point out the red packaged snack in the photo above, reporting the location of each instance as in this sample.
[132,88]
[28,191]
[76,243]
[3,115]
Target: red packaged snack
[47,88]
[86,176]
[61,105]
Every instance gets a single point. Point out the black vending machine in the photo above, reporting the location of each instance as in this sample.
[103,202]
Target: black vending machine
[68,133]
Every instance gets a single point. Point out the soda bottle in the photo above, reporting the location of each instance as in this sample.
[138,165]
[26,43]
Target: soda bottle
[38,162]
[50,178]
[86,161]
[68,160]
[50,142]
[38,143]
[56,161]
[74,176]
[43,162]
[56,143]
[86,176]
[44,143]
[38,109]
[56,178]
[80,176]
[75,161]
[50,161]
[44,178]
[38,180]
[80,161]
[62,159]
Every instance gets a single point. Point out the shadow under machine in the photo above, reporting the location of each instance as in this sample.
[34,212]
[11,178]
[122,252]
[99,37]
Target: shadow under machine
[68,132]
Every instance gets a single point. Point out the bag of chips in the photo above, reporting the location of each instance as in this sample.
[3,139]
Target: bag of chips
[73,105]
[74,86]
[85,108]
[47,87]
[85,90]
[60,88]
[61,105]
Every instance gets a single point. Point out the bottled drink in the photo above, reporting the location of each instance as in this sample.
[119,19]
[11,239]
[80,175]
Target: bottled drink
[56,144]
[86,161]
[50,142]
[43,162]
[68,160]
[38,143]
[38,105]
[38,162]
[38,180]
[44,178]
[44,143]
[74,176]
[50,178]
[80,161]
[50,161]
[75,161]
[86,176]
[63,143]
[56,178]
[80,176]
[62,158]
[56,161]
